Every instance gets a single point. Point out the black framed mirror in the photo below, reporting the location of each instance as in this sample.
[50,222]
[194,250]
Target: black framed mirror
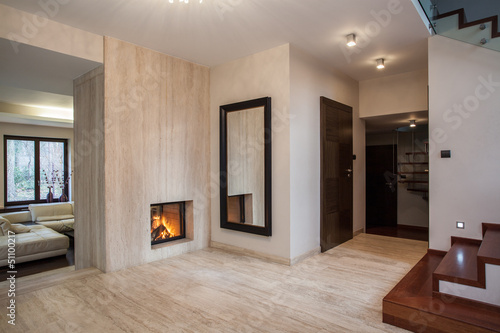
[245,166]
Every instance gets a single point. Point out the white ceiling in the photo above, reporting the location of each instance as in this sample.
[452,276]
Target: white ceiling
[39,80]
[34,68]
[218,31]
[35,98]
[215,32]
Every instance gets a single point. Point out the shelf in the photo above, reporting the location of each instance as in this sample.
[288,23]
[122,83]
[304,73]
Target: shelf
[414,181]
[417,190]
[413,173]
[417,153]
[413,163]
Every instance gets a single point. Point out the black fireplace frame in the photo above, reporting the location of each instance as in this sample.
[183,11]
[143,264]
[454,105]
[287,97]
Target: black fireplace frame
[182,212]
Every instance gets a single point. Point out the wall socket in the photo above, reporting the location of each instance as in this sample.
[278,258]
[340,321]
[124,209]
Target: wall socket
[460,225]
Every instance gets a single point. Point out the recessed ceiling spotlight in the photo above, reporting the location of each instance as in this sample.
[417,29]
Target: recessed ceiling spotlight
[380,63]
[351,40]
[412,123]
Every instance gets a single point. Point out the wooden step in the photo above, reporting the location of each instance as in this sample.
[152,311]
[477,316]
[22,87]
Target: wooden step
[489,252]
[459,265]
[412,306]
[418,281]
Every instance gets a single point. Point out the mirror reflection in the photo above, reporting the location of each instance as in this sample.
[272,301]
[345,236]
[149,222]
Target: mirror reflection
[245,160]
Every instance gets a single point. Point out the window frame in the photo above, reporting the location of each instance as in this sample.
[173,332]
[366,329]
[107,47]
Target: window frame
[37,141]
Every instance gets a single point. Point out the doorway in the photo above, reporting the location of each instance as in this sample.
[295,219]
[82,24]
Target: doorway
[336,173]
[397,183]
[381,187]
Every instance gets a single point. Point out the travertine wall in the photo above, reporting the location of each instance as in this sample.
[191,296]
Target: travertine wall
[88,179]
[156,149]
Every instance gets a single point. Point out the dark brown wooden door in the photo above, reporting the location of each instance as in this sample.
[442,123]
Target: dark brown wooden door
[336,173]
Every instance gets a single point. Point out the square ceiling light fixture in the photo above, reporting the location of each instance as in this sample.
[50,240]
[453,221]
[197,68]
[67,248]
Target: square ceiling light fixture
[351,40]
[380,63]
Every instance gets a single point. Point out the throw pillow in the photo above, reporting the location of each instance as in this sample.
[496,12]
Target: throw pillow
[4,226]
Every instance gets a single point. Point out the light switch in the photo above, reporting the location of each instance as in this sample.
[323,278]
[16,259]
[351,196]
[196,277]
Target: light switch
[445,153]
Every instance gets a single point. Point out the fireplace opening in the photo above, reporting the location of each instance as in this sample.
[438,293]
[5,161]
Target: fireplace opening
[168,222]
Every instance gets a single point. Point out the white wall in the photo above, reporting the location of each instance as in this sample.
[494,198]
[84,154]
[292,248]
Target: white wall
[31,130]
[310,80]
[464,117]
[259,75]
[401,93]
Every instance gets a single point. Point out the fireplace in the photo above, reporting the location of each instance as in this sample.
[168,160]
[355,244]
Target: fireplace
[168,222]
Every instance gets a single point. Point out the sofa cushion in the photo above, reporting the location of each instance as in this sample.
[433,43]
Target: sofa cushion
[19,228]
[39,239]
[18,217]
[59,226]
[5,226]
[54,218]
[51,209]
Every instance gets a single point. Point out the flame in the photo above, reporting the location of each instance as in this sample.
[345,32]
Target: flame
[169,232]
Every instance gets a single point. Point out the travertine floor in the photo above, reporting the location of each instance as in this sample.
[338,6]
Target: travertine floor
[216,291]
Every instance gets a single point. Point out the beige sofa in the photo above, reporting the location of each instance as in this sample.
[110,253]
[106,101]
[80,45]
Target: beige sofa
[32,242]
[57,216]
[37,241]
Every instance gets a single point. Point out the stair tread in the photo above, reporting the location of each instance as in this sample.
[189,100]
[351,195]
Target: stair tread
[418,281]
[460,264]
[490,248]
[414,292]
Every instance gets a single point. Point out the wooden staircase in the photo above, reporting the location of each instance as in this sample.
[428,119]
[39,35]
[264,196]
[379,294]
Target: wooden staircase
[454,24]
[418,304]
[463,23]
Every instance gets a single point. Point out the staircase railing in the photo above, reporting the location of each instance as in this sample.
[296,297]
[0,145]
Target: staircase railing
[473,21]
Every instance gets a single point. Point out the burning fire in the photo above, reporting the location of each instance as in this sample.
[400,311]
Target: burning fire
[162,229]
